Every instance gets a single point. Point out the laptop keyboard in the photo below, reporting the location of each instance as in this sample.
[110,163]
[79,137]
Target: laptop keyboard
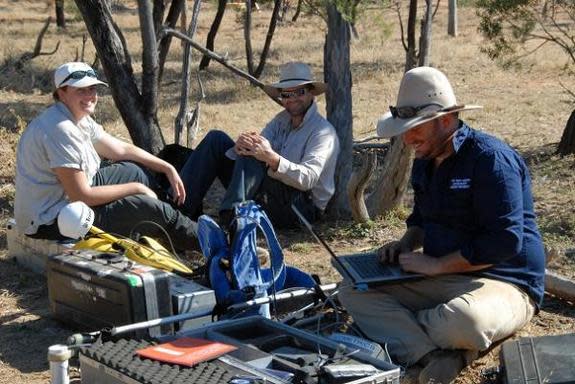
[367,265]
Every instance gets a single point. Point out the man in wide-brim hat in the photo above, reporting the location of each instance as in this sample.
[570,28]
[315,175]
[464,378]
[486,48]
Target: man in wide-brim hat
[482,254]
[292,160]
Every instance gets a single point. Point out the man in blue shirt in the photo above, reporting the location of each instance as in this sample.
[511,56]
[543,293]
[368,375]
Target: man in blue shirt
[482,254]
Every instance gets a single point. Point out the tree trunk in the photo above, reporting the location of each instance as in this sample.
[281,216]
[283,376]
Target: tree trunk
[411,54]
[297,11]
[149,64]
[425,39]
[567,143]
[269,37]
[339,102]
[393,180]
[60,17]
[248,37]
[182,118]
[171,20]
[392,183]
[452,18]
[213,32]
[158,10]
[116,62]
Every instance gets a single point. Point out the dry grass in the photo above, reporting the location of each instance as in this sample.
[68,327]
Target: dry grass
[527,108]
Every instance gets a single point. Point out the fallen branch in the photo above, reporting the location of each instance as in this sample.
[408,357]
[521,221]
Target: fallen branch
[222,60]
[559,286]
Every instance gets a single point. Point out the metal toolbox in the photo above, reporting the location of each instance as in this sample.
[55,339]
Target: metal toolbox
[267,352]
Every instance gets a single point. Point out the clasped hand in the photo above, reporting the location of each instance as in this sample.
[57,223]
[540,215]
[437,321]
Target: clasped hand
[253,144]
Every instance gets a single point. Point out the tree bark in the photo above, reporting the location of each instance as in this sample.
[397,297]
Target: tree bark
[269,37]
[213,32]
[158,10]
[116,62]
[60,17]
[357,184]
[149,58]
[425,39]
[182,118]
[297,11]
[339,102]
[392,183]
[411,54]
[248,38]
[452,18]
[567,143]
[171,20]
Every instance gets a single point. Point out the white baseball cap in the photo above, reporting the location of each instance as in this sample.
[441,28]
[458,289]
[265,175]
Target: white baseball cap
[76,74]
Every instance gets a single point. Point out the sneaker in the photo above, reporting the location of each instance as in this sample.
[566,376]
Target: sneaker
[441,366]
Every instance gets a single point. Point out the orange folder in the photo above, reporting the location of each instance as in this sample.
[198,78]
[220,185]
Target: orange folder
[186,351]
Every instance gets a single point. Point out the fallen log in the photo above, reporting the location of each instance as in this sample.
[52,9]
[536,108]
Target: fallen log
[559,286]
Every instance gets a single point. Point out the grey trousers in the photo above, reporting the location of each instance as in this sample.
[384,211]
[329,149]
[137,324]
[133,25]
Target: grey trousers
[445,312]
[133,213]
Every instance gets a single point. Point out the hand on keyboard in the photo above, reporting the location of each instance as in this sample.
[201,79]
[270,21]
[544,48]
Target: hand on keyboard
[389,253]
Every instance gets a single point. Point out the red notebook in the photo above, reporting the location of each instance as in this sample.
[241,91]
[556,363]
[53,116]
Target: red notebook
[186,351]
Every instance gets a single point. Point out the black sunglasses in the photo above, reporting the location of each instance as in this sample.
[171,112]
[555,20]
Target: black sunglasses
[294,93]
[408,112]
[77,75]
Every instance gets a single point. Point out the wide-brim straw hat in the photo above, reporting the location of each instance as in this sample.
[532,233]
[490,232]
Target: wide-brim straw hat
[427,91]
[295,74]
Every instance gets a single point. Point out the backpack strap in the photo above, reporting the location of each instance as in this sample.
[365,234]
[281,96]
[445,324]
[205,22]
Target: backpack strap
[215,248]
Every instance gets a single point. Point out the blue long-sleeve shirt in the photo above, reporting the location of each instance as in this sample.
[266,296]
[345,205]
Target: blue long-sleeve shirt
[479,201]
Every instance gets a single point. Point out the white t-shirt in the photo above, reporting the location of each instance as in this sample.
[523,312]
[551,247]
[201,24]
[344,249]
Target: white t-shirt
[51,140]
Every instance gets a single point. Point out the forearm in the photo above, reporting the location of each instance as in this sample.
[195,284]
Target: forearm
[138,155]
[300,176]
[455,263]
[104,194]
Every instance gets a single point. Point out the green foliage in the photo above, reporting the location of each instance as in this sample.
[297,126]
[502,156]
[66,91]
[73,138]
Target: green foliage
[509,24]
[359,230]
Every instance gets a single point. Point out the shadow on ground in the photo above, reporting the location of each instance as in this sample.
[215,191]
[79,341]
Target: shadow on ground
[28,329]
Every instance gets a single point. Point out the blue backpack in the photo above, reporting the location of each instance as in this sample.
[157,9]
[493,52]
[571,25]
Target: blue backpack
[234,271]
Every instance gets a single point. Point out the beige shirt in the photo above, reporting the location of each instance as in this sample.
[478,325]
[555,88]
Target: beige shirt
[51,140]
[308,153]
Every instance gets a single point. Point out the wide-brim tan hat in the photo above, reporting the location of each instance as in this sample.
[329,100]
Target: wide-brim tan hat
[295,74]
[424,94]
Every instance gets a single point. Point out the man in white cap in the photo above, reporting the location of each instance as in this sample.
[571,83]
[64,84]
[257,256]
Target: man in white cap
[291,161]
[473,216]
[58,161]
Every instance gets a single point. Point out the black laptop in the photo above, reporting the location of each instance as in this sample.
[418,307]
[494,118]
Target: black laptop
[363,269]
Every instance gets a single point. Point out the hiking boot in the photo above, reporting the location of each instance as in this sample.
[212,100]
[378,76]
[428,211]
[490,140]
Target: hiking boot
[441,366]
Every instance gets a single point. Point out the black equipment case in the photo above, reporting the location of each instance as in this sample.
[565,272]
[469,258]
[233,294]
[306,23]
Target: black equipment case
[92,290]
[538,360]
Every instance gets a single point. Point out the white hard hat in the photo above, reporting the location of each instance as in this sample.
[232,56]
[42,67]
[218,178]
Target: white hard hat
[75,220]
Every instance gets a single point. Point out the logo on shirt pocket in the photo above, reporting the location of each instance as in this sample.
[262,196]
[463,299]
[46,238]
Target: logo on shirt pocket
[460,183]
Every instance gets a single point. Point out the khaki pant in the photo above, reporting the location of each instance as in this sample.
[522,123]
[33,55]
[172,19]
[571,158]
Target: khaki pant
[445,312]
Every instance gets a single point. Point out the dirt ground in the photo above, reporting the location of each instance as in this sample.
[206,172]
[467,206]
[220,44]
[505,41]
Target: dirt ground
[528,107]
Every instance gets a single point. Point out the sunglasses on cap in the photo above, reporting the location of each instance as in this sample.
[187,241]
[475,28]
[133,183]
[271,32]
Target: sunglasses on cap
[408,112]
[77,75]
[291,94]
